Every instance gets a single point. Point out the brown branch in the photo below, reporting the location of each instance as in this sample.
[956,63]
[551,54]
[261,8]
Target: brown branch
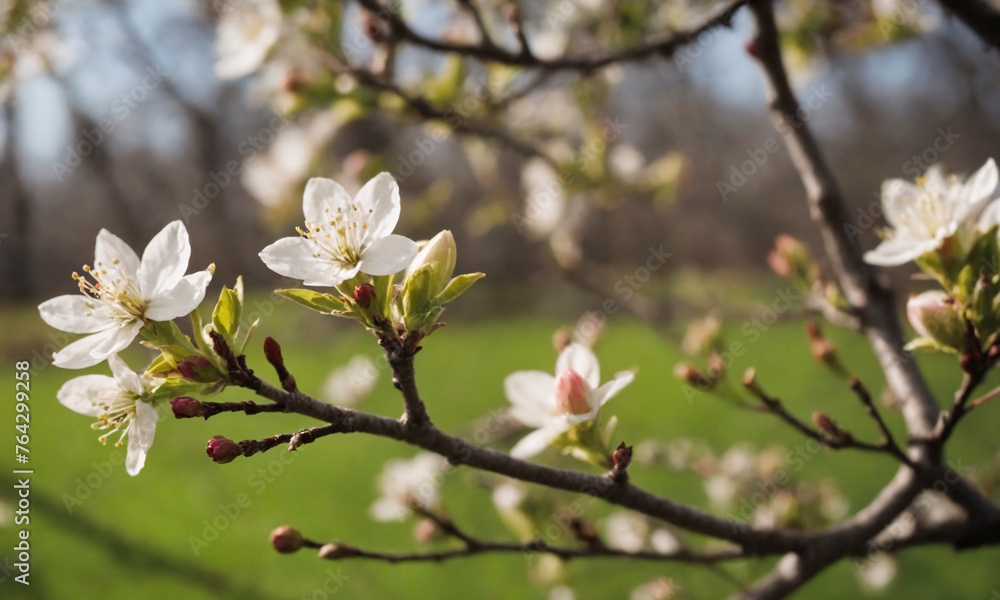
[836,440]
[294,440]
[663,45]
[888,441]
[979,16]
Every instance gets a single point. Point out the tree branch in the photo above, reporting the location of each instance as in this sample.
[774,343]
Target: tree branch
[663,45]
[978,16]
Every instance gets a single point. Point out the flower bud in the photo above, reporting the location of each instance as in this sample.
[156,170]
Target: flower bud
[364,294]
[690,374]
[821,348]
[933,315]
[185,407]
[286,540]
[272,352]
[826,424]
[440,253]
[223,450]
[427,531]
[621,458]
[190,365]
[572,391]
[336,550]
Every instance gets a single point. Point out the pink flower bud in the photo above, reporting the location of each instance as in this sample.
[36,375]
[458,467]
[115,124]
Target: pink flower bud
[189,366]
[364,294]
[572,391]
[286,539]
[272,352]
[933,315]
[186,407]
[622,457]
[222,449]
[336,550]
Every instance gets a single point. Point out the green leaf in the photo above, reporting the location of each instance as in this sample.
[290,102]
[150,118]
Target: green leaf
[229,310]
[458,286]
[416,291]
[318,301]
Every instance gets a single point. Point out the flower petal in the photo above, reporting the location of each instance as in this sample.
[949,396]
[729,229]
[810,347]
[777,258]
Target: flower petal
[582,360]
[899,250]
[79,354]
[898,197]
[379,205]
[119,340]
[164,261]
[532,395]
[978,188]
[322,199]
[295,257]
[74,313]
[538,440]
[125,378]
[388,509]
[388,255]
[110,248]
[140,436]
[80,393]
[610,389]
[181,300]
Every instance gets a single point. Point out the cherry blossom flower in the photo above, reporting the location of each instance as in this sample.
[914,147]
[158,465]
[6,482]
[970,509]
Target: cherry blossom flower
[554,405]
[344,236]
[408,483]
[925,215]
[125,294]
[118,404]
[246,33]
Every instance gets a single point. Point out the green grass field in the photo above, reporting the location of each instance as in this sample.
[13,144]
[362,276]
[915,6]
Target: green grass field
[96,532]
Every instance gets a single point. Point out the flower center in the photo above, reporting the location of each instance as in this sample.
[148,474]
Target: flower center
[572,392]
[119,295]
[119,411]
[342,236]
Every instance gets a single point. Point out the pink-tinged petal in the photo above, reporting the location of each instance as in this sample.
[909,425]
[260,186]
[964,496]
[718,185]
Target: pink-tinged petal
[610,389]
[140,436]
[379,205]
[74,313]
[582,360]
[295,257]
[897,251]
[532,396]
[126,378]
[322,199]
[81,394]
[898,197]
[539,440]
[181,300]
[119,340]
[388,255]
[110,248]
[79,354]
[164,261]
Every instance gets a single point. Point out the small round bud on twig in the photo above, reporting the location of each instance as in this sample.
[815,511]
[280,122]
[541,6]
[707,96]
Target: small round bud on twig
[286,539]
[364,294]
[750,377]
[688,373]
[222,449]
[336,550]
[185,407]
[621,458]
[427,531]
[826,424]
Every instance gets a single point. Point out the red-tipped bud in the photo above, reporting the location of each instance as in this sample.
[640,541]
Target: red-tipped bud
[272,352]
[223,450]
[373,27]
[335,551]
[364,294]
[286,540]
[622,457]
[751,48]
[186,407]
[219,344]
[572,392]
